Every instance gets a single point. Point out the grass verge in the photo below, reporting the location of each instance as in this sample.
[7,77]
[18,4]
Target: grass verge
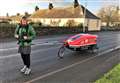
[113,76]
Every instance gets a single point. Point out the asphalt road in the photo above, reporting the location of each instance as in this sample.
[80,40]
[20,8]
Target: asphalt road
[75,67]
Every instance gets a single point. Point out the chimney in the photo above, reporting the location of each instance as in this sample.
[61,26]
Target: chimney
[50,6]
[76,3]
[36,8]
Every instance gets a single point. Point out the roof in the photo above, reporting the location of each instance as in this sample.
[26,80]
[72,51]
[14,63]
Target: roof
[53,13]
[17,18]
[89,14]
[5,18]
[69,12]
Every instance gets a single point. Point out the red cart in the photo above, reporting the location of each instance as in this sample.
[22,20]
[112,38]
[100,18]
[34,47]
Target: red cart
[79,42]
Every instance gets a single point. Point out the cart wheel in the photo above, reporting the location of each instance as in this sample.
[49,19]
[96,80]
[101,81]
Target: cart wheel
[94,49]
[61,52]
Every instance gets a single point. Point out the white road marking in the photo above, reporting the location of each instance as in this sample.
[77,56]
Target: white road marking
[10,56]
[70,66]
[40,44]
[8,49]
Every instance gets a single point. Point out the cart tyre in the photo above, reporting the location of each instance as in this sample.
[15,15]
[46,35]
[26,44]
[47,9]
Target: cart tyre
[94,49]
[61,52]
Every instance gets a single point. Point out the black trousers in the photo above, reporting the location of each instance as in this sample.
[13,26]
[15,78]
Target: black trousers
[26,59]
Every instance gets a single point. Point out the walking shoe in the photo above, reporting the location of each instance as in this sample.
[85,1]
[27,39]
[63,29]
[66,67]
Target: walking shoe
[28,70]
[23,69]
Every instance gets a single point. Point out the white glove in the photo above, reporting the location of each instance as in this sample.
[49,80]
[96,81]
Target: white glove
[16,36]
[25,37]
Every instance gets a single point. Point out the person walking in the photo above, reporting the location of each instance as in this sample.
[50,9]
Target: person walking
[25,33]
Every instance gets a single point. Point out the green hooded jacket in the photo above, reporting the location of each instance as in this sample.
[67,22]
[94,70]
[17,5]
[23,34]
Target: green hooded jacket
[30,34]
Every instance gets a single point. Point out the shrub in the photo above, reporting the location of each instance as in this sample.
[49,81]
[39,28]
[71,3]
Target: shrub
[70,23]
[80,25]
[7,30]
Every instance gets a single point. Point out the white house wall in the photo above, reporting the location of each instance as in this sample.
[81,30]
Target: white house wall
[94,24]
[63,21]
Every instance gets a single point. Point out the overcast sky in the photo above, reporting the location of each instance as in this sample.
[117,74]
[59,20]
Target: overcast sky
[20,6]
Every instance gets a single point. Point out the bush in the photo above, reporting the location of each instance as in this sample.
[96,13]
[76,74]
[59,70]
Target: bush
[80,25]
[70,23]
[110,28]
[36,24]
[8,30]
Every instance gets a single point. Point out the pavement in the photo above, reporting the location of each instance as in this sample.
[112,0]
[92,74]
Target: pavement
[75,67]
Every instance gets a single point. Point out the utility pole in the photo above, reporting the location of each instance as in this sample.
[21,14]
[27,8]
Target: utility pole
[84,24]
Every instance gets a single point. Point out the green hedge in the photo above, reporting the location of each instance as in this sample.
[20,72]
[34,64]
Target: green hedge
[7,30]
[117,28]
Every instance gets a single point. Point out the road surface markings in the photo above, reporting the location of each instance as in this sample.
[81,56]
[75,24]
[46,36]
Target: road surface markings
[38,44]
[10,56]
[72,65]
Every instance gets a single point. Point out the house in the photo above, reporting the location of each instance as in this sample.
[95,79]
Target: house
[70,16]
[4,19]
[15,19]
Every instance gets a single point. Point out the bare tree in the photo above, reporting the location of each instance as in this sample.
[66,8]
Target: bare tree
[109,2]
[108,14]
